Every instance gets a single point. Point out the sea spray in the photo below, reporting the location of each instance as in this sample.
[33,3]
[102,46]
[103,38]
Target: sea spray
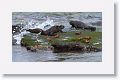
[44,26]
[32,25]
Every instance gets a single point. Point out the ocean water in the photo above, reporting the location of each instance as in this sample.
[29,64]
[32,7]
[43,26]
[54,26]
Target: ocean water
[20,54]
[45,20]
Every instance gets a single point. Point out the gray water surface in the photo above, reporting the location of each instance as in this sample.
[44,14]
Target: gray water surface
[20,54]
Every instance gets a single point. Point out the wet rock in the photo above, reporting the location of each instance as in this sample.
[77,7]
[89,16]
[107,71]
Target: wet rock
[77,24]
[81,25]
[37,30]
[28,41]
[28,48]
[67,47]
[17,28]
[50,32]
[33,49]
[31,35]
[74,47]
[53,30]
[22,43]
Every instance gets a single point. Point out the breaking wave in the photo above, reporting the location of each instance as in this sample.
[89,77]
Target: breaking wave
[32,25]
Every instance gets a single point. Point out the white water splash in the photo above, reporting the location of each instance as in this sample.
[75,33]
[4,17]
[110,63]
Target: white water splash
[18,37]
[44,26]
[32,25]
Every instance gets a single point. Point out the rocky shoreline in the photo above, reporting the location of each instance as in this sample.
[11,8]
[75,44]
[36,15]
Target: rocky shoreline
[57,48]
[85,39]
[74,47]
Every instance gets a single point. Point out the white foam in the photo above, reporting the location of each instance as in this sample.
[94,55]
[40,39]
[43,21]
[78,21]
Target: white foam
[44,26]
[32,25]
[18,37]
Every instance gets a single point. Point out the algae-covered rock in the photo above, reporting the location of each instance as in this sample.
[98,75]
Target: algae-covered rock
[74,47]
[73,41]
[28,41]
[67,47]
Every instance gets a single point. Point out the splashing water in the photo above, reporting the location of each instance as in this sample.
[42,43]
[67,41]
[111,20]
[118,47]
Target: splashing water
[32,25]
[18,37]
[44,26]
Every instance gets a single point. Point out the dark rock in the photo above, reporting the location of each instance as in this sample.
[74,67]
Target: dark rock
[73,47]
[28,48]
[53,30]
[49,32]
[17,28]
[37,30]
[67,47]
[77,24]
[81,25]
[22,43]
[33,49]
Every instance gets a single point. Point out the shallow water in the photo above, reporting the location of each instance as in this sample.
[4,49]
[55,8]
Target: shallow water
[20,54]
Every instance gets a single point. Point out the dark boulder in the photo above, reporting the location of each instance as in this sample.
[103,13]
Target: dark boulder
[72,47]
[28,48]
[53,30]
[33,49]
[77,24]
[36,30]
[49,32]
[23,44]
[81,25]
